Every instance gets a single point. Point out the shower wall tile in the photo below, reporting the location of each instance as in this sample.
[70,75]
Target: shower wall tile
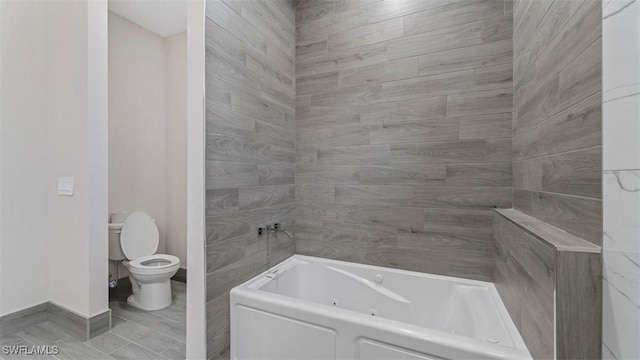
[482,55]
[365,35]
[499,150]
[403,128]
[446,38]
[551,284]
[557,92]
[579,216]
[495,77]
[402,111]
[480,103]
[250,144]
[523,200]
[452,14]
[557,167]
[621,179]
[578,305]
[498,28]
[574,173]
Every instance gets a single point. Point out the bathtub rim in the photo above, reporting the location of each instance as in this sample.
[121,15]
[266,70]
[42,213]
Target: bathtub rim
[250,290]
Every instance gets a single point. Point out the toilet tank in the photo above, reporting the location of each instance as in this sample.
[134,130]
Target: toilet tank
[115,227]
[115,250]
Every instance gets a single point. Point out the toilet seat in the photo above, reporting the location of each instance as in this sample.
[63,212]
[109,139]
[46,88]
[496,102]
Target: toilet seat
[154,264]
[139,236]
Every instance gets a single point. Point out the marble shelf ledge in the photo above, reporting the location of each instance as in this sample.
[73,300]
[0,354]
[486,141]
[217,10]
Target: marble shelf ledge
[549,234]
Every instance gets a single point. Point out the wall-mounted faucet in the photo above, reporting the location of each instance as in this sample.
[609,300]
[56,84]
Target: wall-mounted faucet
[276,227]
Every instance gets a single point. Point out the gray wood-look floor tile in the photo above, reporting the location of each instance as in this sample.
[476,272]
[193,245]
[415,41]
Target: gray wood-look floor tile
[76,350]
[108,342]
[174,329]
[16,340]
[11,340]
[136,352]
[176,352]
[46,333]
[130,313]
[144,336]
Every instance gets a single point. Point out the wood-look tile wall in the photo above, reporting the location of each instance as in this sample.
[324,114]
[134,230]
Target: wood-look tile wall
[403,128]
[525,273]
[554,296]
[250,152]
[557,152]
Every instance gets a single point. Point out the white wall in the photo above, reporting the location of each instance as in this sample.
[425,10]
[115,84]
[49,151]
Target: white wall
[148,129]
[67,129]
[621,179]
[98,154]
[53,122]
[76,124]
[176,145]
[137,165]
[24,184]
[196,296]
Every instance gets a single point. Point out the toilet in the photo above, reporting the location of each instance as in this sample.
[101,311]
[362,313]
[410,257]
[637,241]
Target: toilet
[133,239]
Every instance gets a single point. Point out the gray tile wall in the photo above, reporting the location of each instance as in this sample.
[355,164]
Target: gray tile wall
[549,290]
[250,153]
[557,152]
[403,128]
[525,273]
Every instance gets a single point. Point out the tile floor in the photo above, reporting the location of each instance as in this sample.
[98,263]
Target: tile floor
[134,334]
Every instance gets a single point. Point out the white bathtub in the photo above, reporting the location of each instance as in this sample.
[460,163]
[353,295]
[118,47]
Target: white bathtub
[312,308]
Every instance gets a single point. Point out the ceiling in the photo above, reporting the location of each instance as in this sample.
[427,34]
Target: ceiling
[163,17]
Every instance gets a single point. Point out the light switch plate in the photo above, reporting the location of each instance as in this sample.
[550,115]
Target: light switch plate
[65,186]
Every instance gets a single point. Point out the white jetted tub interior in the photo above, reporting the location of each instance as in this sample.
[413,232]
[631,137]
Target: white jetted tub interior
[312,308]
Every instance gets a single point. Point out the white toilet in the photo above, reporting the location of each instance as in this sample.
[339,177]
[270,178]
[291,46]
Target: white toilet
[134,240]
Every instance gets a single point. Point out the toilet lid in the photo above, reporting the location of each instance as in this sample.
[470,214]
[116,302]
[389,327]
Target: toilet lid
[139,235]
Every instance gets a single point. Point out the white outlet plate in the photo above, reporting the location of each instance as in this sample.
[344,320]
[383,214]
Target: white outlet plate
[65,186]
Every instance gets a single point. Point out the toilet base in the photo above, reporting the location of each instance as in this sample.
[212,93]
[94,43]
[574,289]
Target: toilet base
[149,297]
